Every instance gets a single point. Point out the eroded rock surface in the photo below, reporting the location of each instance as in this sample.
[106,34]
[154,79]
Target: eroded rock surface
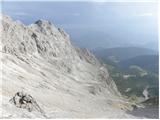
[67,82]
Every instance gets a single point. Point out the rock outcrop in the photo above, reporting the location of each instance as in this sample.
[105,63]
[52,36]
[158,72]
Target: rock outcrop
[65,81]
[26,101]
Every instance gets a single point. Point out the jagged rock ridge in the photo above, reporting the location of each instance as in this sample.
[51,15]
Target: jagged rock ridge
[66,81]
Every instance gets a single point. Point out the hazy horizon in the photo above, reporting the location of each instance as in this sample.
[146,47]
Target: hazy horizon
[94,24]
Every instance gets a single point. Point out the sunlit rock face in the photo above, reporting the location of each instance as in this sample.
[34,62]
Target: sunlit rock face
[65,81]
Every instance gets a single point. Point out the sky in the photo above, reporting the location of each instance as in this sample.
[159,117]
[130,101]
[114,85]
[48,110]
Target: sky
[92,0]
[94,24]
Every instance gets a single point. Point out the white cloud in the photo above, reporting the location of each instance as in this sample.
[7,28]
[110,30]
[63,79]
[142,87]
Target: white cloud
[144,14]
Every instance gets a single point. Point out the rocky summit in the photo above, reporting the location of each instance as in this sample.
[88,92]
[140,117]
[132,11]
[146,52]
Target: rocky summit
[40,65]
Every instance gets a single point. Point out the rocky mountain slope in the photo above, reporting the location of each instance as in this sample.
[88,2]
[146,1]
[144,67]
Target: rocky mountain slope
[66,82]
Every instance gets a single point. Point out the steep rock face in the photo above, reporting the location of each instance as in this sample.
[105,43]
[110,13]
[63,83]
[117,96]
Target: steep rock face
[40,38]
[66,81]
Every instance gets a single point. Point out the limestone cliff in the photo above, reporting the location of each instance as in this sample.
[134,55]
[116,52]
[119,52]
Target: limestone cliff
[40,60]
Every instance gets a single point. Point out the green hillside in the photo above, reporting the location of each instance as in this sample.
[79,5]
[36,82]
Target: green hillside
[134,79]
[148,62]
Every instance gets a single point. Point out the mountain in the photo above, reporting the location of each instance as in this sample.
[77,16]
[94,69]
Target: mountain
[132,76]
[91,24]
[147,62]
[154,45]
[92,38]
[44,73]
[121,53]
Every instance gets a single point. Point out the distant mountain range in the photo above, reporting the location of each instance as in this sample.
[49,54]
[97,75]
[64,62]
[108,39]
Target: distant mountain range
[122,53]
[93,39]
[148,62]
[132,68]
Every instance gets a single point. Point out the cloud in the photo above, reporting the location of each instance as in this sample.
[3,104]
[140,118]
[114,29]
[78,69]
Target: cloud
[144,14]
